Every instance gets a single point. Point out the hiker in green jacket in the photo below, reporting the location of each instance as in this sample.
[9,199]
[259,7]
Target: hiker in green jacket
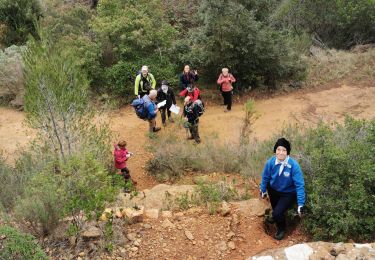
[144,82]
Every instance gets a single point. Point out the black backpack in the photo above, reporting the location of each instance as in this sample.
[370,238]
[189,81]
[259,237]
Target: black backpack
[200,106]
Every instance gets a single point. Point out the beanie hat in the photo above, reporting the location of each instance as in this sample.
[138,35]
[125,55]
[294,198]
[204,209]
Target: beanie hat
[284,143]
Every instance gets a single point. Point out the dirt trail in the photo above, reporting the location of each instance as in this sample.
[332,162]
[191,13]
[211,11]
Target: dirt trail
[299,107]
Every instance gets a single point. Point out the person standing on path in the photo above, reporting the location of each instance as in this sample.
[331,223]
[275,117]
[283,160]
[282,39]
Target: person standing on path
[283,182]
[225,81]
[152,110]
[188,77]
[166,93]
[144,82]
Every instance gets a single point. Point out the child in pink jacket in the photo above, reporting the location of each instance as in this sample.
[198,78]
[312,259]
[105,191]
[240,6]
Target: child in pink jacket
[121,155]
[225,81]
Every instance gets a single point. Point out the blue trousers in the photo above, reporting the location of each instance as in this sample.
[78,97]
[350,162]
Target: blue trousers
[280,202]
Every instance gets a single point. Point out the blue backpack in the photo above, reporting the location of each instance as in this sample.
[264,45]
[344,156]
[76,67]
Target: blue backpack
[140,108]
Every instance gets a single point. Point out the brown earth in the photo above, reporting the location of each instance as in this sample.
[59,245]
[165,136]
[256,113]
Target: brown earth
[304,107]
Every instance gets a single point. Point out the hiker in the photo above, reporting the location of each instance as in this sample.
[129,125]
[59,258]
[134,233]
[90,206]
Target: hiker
[191,114]
[166,93]
[151,110]
[283,182]
[225,81]
[121,155]
[144,82]
[188,77]
[191,91]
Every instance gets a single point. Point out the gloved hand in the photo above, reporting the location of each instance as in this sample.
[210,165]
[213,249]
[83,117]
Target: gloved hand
[263,195]
[301,210]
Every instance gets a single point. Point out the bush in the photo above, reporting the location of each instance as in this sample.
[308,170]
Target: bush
[18,246]
[18,18]
[11,74]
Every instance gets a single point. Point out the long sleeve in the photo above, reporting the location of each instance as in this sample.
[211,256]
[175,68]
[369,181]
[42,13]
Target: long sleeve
[173,98]
[136,85]
[183,93]
[153,81]
[196,94]
[300,184]
[266,177]
[220,79]
[232,78]
[151,110]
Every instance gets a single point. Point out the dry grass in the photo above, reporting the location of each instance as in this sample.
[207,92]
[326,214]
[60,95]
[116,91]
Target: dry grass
[327,66]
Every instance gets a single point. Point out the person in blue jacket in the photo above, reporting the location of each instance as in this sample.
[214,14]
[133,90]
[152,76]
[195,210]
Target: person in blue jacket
[152,110]
[283,182]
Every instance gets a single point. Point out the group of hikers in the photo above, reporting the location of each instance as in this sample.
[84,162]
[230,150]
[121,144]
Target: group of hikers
[282,178]
[148,98]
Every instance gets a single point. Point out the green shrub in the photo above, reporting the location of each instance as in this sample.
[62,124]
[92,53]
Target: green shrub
[19,18]
[18,246]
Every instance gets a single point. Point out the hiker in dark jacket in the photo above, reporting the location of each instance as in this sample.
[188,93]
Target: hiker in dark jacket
[191,114]
[166,93]
[188,77]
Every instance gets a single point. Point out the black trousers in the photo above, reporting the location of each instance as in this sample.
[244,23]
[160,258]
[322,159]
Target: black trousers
[194,132]
[164,112]
[227,95]
[280,203]
[125,173]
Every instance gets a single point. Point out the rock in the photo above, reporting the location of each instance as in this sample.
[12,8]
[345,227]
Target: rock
[222,246]
[337,249]
[72,241]
[122,250]
[168,224]
[230,235]
[82,254]
[231,245]
[321,255]
[189,235]
[131,236]
[166,214]
[225,209]
[79,258]
[136,243]
[298,252]
[152,213]
[252,207]
[91,233]
[134,249]
[235,221]
[147,226]
[134,215]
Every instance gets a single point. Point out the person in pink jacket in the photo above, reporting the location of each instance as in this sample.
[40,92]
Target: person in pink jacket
[225,81]
[121,155]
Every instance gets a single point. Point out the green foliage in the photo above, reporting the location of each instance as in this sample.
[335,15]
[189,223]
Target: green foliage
[339,23]
[17,246]
[133,33]
[17,20]
[230,36]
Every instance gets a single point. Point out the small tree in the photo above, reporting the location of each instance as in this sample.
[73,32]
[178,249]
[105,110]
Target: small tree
[56,100]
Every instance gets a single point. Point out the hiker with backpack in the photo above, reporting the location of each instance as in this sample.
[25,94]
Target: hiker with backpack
[166,93]
[144,82]
[188,77]
[191,91]
[283,183]
[151,110]
[192,112]
[121,155]
[225,81]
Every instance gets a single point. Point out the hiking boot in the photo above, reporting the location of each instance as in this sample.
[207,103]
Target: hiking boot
[156,129]
[190,138]
[280,233]
[198,141]
[270,220]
